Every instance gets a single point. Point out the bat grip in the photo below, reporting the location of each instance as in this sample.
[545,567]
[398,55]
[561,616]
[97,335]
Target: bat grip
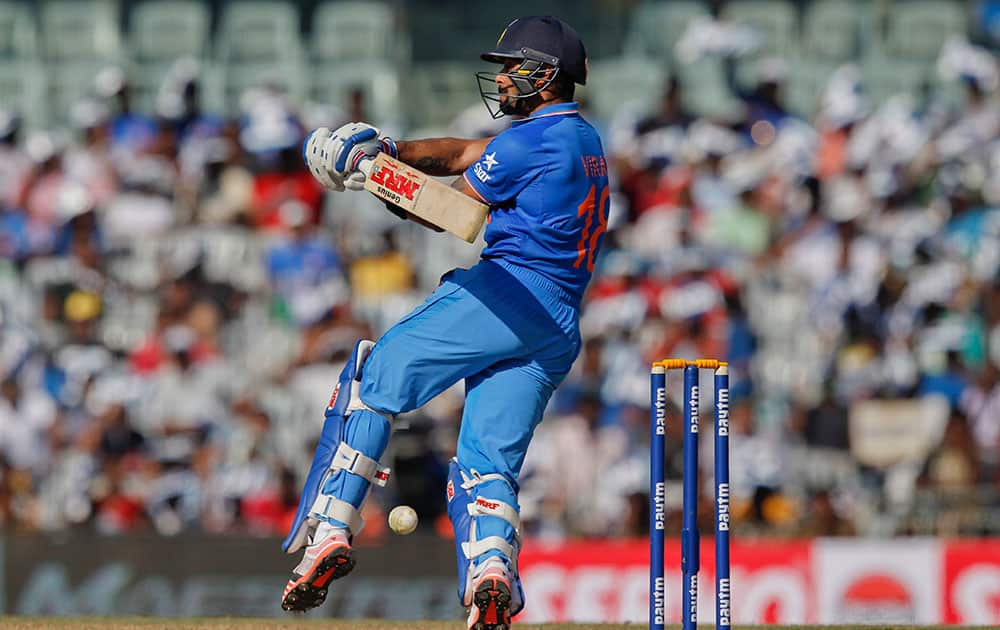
[365,166]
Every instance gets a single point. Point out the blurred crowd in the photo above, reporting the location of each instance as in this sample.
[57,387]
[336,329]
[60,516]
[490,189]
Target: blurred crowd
[849,269]
[178,295]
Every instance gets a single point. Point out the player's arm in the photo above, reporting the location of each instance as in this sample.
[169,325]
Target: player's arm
[462,185]
[441,156]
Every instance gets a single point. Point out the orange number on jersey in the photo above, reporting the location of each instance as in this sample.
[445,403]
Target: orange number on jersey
[588,241]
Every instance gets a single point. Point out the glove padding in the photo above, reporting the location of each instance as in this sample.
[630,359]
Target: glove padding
[365,146]
[333,157]
[314,154]
[326,154]
[347,147]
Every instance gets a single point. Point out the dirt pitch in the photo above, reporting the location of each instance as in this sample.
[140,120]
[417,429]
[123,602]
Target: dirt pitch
[159,623]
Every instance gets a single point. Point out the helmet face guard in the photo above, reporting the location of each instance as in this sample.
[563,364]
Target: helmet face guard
[532,68]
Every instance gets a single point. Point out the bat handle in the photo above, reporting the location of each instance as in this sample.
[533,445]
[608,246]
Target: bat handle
[365,166]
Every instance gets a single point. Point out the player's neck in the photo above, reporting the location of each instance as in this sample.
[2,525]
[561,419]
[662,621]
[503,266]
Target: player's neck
[546,103]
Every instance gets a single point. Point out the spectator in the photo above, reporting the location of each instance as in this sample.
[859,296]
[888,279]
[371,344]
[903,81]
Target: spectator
[176,292]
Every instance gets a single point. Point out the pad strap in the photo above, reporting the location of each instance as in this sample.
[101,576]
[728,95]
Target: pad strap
[357,463]
[483,506]
[332,507]
[489,507]
[476,548]
[469,483]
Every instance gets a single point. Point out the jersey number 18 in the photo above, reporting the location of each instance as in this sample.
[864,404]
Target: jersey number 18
[591,233]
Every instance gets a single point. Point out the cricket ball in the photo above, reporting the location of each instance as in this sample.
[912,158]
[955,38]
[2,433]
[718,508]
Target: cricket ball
[403,519]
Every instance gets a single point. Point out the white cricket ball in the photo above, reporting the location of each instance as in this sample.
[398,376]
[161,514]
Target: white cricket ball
[403,520]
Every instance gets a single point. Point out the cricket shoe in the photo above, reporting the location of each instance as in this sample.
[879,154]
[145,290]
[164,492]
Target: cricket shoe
[490,597]
[328,558]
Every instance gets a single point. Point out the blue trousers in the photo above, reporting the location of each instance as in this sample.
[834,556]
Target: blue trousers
[510,334]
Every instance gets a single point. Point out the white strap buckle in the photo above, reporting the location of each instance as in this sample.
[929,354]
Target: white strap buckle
[490,507]
[476,548]
[332,507]
[357,463]
[471,482]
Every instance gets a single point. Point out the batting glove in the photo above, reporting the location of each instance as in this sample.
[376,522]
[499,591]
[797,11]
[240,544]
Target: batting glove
[334,157]
[314,154]
[364,147]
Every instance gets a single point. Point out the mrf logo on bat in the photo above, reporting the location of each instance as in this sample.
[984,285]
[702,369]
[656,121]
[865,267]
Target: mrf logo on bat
[393,184]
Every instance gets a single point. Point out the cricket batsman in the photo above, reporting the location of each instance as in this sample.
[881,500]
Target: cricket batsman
[508,326]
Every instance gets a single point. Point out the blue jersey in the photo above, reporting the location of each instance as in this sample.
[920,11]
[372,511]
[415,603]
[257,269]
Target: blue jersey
[546,181]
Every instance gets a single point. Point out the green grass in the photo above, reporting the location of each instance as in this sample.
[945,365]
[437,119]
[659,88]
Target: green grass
[157,623]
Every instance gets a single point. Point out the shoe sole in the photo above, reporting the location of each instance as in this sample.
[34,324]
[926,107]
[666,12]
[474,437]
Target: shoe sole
[492,599]
[309,591]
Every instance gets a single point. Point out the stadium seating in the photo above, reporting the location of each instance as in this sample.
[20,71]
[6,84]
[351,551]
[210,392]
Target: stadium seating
[776,24]
[884,77]
[437,92]
[198,287]
[51,50]
[356,46]
[18,35]
[377,80]
[79,30]
[259,41]
[806,82]
[654,28]
[832,34]
[78,39]
[20,74]
[705,90]
[775,20]
[830,30]
[163,30]
[21,89]
[617,83]
[902,61]
[351,31]
[160,32]
[917,29]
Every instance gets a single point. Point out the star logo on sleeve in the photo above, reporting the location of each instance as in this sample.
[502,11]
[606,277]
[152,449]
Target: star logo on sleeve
[490,160]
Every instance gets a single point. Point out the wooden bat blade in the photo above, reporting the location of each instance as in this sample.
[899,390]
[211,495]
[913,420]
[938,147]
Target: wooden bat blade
[426,198]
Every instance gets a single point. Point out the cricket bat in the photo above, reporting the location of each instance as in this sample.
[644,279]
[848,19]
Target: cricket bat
[424,197]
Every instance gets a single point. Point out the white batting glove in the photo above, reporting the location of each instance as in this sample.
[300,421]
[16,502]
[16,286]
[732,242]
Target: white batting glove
[355,179]
[314,153]
[325,153]
[334,157]
[347,144]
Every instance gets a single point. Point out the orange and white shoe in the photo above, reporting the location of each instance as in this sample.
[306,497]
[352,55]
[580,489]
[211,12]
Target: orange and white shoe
[327,559]
[490,597]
